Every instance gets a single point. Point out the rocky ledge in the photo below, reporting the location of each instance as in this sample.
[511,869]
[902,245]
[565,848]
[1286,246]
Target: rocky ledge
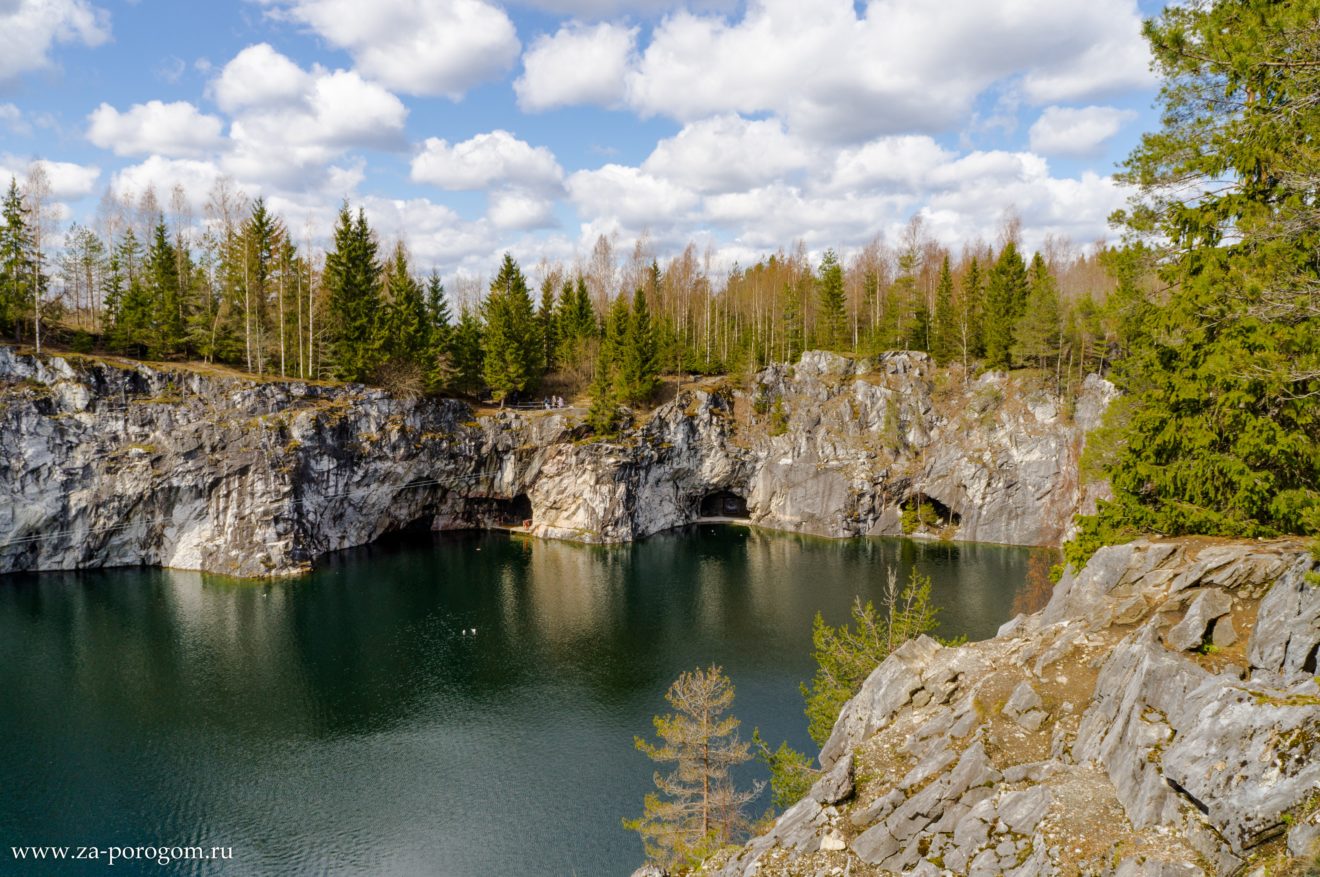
[1161,716]
[106,462]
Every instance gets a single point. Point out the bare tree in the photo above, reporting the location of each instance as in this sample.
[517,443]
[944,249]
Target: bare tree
[36,194]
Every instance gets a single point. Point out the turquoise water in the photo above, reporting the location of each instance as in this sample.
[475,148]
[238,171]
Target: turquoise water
[342,724]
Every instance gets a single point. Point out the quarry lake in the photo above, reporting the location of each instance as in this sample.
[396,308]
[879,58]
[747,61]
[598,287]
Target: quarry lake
[343,723]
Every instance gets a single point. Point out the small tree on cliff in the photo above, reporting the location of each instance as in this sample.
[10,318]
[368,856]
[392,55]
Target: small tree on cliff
[696,808]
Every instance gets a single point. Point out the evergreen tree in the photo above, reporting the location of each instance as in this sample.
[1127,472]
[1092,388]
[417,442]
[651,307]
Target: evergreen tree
[970,307]
[466,349]
[696,809]
[548,314]
[639,366]
[441,365]
[1005,298]
[944,335]
[352,283]
[607,385]
[1036,335]
[165,335]
[832,325]
[1220,432]
[17,260]
[514,358]
[407,328]
[792,329]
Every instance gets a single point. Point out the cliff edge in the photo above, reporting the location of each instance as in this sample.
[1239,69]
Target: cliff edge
[1161,716]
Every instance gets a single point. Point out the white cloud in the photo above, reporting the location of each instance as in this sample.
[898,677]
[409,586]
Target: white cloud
[578,65]
[163,174]
[629,195]
[260,77]
[496,158]
[11,117]
[515,209]
[29,28]
[1077,132]
[424,47]
[289,125]
[173,129]
[68,181]
[905,66]
[903,163]
[727,153]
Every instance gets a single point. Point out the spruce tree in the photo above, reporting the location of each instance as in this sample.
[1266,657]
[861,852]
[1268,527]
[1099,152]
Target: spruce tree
[440,364]
[791,324]
[513,355]
[548,314]
[1036,335]
[971,343]
[832,322]
[165,335]
[1219,432]
[466,349]
[407,336]
[639,366]
[17,258]
[944,333]
[351,279]
[1005,298]
[607,388]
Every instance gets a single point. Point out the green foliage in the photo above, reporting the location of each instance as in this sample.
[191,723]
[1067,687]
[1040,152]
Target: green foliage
[1223,433]
[791,773]
[604,416]
[944,333]
[638,360]
[17,260]
[846,655]
[696,809]
[1036,334]
[352,281]
[466,350]
[832,331]
[1005,299]
[513,353]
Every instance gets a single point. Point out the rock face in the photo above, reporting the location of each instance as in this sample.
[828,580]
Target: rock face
[1107,734]
[106,464]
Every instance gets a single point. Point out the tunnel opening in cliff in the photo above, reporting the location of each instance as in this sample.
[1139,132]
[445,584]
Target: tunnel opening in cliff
[514,512]
[723,504]
[925,513]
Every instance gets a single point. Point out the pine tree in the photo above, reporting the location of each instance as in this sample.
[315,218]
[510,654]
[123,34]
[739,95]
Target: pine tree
[791,328]
[944,334]
[832,325]
[696,809]
[1005,298]
[513,355]
[1036,335]
[351,280]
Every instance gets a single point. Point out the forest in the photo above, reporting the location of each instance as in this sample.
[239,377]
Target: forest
[1207,316]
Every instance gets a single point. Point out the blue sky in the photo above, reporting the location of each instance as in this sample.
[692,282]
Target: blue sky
[471,127]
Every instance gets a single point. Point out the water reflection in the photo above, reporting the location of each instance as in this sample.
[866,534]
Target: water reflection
[345,724]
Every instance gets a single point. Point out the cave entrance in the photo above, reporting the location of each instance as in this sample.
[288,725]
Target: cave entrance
[922,513]
[515,512]
[724,504]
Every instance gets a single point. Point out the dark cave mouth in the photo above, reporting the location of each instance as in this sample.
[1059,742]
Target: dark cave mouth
[723,504]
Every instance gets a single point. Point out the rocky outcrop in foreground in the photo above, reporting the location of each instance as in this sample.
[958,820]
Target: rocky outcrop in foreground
[1160,717]
[107,463]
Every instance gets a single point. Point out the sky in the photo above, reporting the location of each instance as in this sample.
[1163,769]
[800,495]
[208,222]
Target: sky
[469,128]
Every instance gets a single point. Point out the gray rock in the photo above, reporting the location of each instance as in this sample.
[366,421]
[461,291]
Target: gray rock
[1287,632]
[837,784]
[1304,840]
[650,871]
[1209,605]
[1022,811]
